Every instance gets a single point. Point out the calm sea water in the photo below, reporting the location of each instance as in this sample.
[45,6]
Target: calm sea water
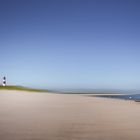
[135,97]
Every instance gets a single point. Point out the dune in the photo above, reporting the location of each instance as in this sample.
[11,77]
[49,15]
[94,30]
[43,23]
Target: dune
[48,116]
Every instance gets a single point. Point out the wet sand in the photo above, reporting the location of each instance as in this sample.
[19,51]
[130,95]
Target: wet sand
[45,116]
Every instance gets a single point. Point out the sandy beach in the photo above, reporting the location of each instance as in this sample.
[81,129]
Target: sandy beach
[48,116]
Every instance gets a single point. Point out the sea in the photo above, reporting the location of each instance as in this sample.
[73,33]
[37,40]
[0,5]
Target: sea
[123,94]
[134,97]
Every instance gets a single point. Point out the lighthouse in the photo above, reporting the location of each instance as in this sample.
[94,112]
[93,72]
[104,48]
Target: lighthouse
[4,81]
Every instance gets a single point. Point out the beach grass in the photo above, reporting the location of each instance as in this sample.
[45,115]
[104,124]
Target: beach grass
[21,88]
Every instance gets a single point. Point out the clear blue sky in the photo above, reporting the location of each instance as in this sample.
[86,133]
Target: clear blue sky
[70,43]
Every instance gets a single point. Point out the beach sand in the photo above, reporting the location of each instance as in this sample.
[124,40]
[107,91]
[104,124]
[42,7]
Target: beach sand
[48,116]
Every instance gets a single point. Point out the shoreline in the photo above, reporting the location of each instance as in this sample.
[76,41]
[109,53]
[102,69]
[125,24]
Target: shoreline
[66,116]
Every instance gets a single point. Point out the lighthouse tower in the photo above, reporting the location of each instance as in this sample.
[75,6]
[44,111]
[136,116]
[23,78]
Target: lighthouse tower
[4,81]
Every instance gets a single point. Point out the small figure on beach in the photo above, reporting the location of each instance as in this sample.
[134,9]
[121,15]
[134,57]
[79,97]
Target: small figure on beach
[4,81]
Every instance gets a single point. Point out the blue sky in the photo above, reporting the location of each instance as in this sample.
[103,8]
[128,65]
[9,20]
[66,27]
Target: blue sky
[70,43]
